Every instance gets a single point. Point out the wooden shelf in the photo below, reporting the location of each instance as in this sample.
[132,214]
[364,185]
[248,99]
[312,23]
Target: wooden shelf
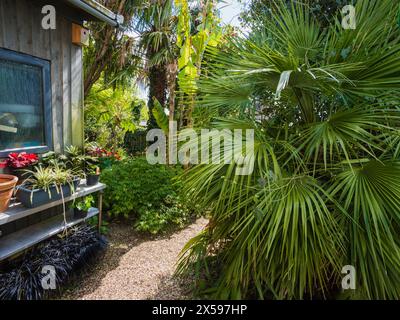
[17,210]
[27,237]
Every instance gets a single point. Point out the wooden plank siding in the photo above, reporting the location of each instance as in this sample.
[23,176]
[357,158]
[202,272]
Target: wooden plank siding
[21,31]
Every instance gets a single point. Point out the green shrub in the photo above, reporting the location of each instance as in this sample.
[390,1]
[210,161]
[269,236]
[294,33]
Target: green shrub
[135,142]
[134,186]
[172,213]
[149,192]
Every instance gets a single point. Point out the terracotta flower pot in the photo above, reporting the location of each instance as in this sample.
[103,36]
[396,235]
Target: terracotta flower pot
[7,184]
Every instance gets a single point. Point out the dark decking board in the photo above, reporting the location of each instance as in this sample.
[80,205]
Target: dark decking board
[27,237]
[18,211]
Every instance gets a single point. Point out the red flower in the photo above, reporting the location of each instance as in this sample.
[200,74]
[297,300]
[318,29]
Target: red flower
[103,153]
[21,160]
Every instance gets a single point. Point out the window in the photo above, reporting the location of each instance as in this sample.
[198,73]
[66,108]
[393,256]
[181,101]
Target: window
[25,103]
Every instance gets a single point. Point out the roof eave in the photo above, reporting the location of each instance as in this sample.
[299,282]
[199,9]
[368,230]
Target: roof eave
[98,11]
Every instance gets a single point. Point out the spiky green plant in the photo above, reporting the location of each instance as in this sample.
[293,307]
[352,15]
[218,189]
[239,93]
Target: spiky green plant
[325,190]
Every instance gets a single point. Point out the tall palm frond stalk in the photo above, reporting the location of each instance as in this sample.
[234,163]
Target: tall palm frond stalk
[325,190]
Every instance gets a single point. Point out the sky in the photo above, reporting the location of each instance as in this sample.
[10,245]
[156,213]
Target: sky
[230,11]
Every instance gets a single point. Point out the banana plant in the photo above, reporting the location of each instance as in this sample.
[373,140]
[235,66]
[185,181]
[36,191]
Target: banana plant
[192,46]
[160,116]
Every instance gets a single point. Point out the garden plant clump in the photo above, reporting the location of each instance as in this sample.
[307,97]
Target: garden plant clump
[148,193]
[82,206]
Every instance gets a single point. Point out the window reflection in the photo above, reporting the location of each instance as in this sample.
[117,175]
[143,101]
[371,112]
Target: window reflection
[21,105]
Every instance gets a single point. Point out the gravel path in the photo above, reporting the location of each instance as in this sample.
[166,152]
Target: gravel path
[135,267]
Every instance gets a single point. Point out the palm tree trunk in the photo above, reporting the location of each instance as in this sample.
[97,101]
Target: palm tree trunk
[157,89]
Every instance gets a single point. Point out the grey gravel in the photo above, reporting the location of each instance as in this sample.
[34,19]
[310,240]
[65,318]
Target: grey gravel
[135,267]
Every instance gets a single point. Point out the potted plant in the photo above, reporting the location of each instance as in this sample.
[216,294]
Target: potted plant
[7,185]
[92,175]
[45,185]
[76,160]
[20,163]
[73,160]
[81,208]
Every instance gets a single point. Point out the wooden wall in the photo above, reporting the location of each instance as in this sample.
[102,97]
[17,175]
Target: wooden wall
[20,30]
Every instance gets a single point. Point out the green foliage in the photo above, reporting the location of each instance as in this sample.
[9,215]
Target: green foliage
[325,191]
[370,192]
[74,159]
[84,204]
[135,142]
[47,177]
[40,178]
[52,158]
[110,114]
[134,186]
[171,214]
[155,23]
[323,10]
[110,57]
[160,116]
[94,222]
[149,192]
[193,45]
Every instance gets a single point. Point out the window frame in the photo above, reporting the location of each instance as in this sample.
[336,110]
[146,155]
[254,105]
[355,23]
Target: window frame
[45,66]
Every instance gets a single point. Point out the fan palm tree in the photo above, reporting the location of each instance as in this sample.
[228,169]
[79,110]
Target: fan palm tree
[156,24]
[325,190]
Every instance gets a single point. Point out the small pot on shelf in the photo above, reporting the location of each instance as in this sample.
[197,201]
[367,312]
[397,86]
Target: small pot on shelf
[93,178]
[80,214]
[7,185]
[82,207]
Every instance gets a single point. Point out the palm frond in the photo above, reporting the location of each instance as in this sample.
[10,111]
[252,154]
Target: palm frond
[371,195]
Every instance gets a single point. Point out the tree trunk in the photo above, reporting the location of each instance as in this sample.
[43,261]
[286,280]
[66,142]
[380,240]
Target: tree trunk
[157,89]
